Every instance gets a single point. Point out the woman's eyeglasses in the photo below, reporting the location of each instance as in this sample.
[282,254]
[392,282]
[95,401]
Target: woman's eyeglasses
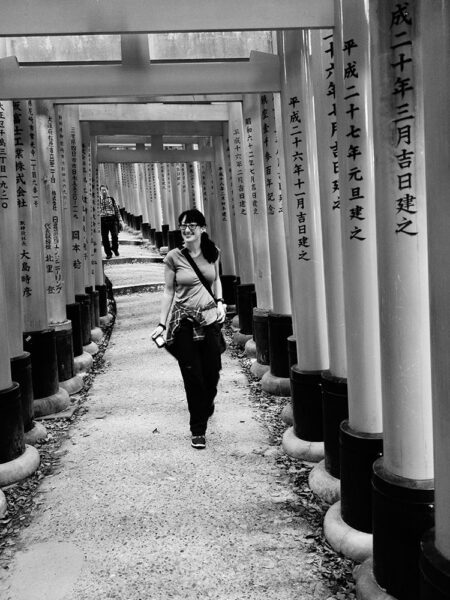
[190,226]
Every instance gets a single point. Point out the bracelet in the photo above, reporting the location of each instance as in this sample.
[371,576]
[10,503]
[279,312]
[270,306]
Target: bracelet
[219,300]
[162,325]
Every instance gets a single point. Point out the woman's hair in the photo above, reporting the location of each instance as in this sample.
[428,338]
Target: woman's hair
[207,246]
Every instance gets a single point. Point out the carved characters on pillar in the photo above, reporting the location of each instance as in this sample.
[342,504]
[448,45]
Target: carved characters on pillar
[248,125]
[4,185]
[330,96]
[402,79]
[238,157]
[297,165]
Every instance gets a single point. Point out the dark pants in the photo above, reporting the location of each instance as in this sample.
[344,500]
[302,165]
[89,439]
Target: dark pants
[109,225]
[200,364]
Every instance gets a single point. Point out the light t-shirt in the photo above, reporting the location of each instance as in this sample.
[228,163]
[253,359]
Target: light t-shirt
[189,290]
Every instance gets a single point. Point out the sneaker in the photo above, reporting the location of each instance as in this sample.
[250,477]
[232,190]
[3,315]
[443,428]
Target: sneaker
[198,441]
[116,252]
[108,256]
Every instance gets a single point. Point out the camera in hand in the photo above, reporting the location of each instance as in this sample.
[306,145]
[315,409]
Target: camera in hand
[159,341]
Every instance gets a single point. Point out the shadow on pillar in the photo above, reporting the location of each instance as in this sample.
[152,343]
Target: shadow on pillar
[48,396]
[17,460]
[245,302]
[276,380]
[82,360]
[261,337]
[145,231]
[434,570]
[403,510]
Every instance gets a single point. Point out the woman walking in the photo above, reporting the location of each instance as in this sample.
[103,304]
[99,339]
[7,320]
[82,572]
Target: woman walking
[196,311]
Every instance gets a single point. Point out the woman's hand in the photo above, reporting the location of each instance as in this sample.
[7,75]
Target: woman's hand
[221,312]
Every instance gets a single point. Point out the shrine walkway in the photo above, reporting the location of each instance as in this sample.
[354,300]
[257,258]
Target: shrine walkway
[135,513]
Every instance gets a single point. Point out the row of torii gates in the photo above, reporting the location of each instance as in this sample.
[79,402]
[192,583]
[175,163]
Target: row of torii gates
[324,175]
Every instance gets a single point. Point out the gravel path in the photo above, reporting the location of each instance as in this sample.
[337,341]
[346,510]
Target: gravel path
[134,513]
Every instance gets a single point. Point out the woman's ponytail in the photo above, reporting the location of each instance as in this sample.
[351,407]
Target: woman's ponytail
[208,248]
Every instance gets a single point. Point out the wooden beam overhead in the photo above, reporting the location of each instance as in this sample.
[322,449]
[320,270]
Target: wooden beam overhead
[56,17]
[164,128]
[80,82]
[112,140]
[109,155]
[192,99]
[153,112]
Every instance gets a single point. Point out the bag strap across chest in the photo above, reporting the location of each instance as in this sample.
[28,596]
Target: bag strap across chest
[199,274]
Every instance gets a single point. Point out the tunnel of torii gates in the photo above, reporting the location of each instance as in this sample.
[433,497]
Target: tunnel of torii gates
[323,167]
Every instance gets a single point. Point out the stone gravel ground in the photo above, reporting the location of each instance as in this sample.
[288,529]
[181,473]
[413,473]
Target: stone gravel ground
[123,508]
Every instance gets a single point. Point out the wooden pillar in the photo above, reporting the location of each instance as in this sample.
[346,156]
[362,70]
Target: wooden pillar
[303,201]
[433,26]
[361,437]
[50,196]
[224,223]
[324,480]
[39,339]
[403,488]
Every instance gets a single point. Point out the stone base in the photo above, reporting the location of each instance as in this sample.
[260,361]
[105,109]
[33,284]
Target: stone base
[250,348]
[164,250]
[83,363]
[37,433]
[3,505]
[235,323]
[302,449]
[72,385]
[287,414]
[231,311]
[51,404]
[240,339]
[276,386]
[96,334]
[366,586]
[258,370]
[324,485]
[19,468]
[350,542]
[106,320]
[91,348]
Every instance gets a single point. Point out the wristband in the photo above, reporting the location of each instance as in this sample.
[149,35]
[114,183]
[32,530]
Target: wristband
[162,325]
[219,300]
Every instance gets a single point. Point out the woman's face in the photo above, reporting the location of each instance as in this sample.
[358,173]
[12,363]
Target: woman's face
[191,231]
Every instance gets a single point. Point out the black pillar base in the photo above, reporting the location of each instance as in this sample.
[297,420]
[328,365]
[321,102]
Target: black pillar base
[261,335]
[280,328]
[403,511]
[102,300]
[85,305]
[145,230]
[64,352]
[228,288]
[73,312]
[358,452]
[138,225]
[246,301]
[21,374]
[307,404]
[434,571]
[335,410]
[12,443]
[159,239]
[165,235]
[152,232]
[44,363]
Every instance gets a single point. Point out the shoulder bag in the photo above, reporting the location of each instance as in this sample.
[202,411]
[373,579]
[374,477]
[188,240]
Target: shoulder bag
[186,254]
